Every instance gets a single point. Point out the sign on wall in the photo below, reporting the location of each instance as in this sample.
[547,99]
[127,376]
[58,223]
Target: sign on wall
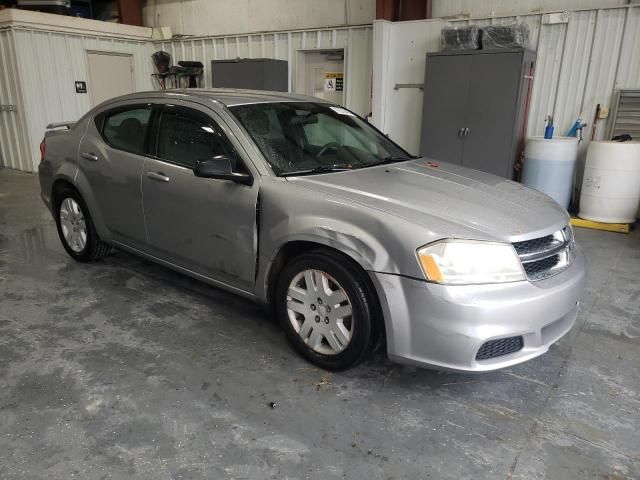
[333,81]
[81,87]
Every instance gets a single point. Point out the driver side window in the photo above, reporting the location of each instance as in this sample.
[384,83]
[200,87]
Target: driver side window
[186,136]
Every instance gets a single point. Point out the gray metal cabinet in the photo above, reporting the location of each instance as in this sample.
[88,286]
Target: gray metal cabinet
[251,73]
[474,108]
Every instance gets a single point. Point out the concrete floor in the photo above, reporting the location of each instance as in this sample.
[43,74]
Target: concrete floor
[123,369]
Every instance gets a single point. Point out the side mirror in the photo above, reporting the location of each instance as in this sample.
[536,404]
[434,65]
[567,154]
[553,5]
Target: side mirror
[219,167]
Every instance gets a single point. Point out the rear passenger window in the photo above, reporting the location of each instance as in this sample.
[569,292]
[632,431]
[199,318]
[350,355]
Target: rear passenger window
[186,136]
[125,130]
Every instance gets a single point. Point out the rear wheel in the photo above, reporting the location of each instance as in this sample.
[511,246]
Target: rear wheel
[75,228]
[327,310]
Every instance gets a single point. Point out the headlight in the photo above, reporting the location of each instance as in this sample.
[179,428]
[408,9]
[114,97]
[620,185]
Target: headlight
[459,262]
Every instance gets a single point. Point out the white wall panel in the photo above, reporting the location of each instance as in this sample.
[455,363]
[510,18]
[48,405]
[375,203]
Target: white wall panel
[357,42]
[13,137]
[225,17]
[605,57]
[50,62]
[573,72]
[547,72]
[629,65]
[400,51]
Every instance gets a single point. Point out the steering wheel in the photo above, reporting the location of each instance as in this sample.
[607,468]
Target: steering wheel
[326,147]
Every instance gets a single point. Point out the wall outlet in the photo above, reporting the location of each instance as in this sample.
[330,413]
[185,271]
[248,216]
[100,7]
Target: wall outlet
[604,112]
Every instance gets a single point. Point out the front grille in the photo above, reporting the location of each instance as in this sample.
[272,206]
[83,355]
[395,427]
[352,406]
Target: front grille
[547,256]
[535,269]
[500,347]
[535,245]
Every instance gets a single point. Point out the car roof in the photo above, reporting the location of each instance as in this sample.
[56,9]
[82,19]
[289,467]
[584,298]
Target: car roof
[225,96]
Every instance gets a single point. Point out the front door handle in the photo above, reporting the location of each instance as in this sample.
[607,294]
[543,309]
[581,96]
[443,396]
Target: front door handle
[92,157]
[158,176]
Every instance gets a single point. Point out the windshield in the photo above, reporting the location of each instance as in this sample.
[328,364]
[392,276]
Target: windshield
[307,138]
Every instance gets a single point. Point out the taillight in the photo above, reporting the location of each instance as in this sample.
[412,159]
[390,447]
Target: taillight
[43,149]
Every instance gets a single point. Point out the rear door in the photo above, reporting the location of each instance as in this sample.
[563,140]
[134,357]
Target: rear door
[112,155]
[205,225]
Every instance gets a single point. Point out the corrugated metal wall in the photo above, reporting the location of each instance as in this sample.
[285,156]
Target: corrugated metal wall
[579,64]
[48,65]
[41,80]
[357,42]
[13,132]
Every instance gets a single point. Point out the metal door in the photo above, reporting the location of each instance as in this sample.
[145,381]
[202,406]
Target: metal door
[491,115]
[445,107]
[205,225]
[110,75]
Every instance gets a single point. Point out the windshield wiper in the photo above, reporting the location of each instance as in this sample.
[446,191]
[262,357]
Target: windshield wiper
[316,170]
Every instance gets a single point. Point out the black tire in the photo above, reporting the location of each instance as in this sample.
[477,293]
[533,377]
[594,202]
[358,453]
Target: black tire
[355,284]
[94,248]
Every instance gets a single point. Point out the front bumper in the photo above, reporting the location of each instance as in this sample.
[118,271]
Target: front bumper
[444,326]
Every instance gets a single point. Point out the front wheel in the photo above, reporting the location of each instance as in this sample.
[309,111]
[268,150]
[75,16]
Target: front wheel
[327,309]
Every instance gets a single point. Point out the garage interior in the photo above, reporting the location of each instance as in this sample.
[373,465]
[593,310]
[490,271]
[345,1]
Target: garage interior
[122,368]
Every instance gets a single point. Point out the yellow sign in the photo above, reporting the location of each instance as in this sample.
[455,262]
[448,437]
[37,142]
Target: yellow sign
[333,81]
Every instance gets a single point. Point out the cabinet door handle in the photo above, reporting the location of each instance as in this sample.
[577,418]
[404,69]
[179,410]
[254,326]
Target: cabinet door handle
[461,132]
[466,131]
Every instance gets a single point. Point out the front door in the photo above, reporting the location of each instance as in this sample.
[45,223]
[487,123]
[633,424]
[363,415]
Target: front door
[111,158]
[205,225]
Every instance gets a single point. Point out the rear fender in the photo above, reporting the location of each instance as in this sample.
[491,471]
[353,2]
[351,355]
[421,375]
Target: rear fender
[82,184]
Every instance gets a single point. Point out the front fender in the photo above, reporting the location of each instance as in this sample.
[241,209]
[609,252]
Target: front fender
[360,246]
[357,243]
[375,240]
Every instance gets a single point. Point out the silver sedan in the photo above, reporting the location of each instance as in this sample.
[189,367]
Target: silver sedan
[303,206]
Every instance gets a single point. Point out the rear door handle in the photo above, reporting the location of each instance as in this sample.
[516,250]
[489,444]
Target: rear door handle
[92,157]
[158,176]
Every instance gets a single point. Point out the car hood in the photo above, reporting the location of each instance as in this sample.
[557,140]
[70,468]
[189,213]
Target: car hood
[461,202]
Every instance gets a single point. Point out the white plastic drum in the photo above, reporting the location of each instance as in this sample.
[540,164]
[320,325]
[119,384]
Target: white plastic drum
[549,166]
[611,184]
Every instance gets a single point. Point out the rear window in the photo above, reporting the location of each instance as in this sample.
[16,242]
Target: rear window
[126,129]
